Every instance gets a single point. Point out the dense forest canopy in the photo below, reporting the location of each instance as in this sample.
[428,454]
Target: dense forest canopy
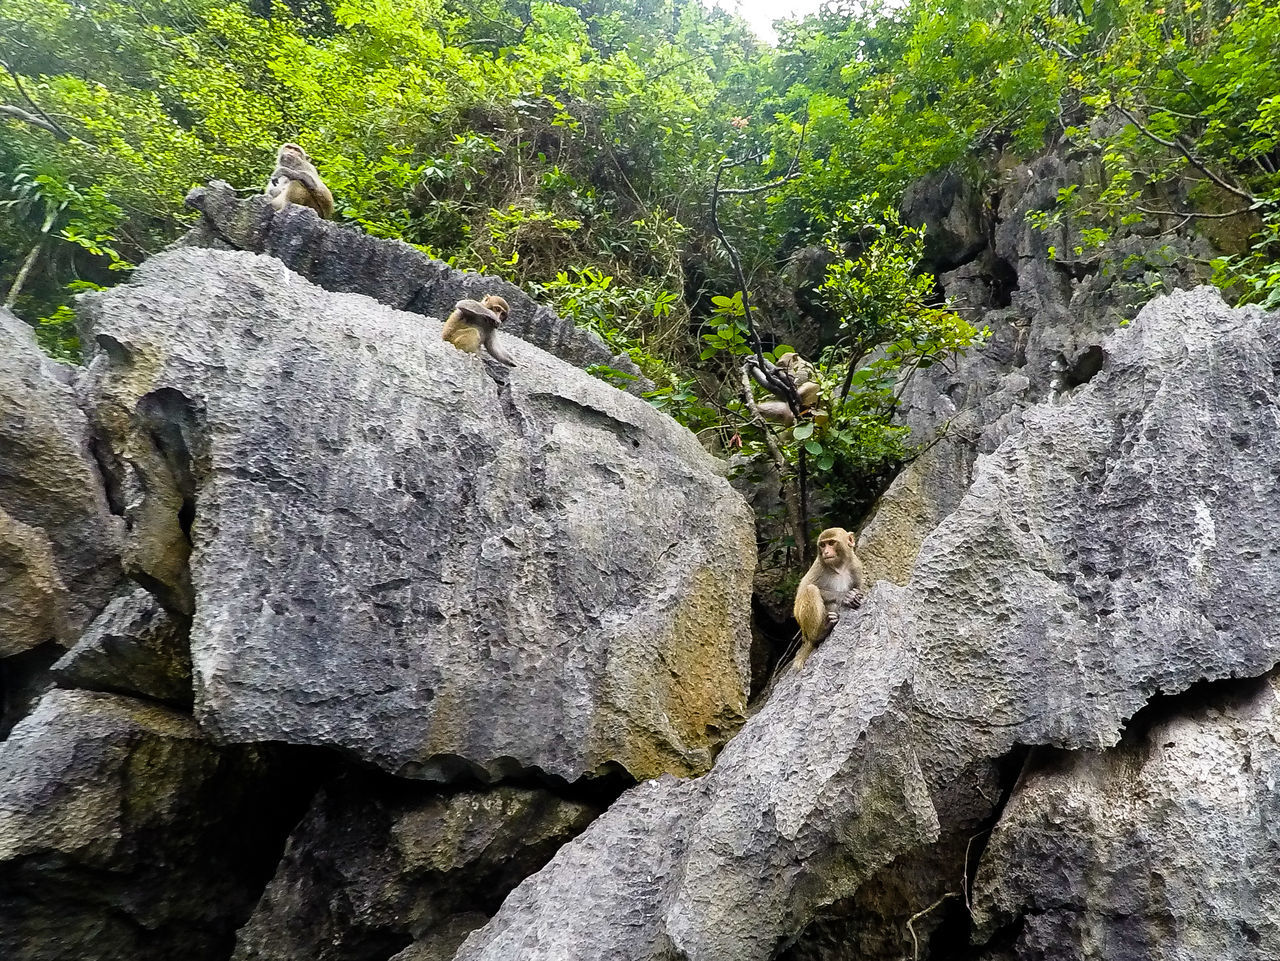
[575,147]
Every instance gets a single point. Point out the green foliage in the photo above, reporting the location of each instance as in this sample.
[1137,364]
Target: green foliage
[888,330]
[570,147]
[1177,101]
[57,335]
[1255,275]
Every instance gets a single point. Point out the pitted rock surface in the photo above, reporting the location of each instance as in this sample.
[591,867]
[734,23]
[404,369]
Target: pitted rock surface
[376,866]
[134,647]
[342,258]
[386,542]
[1119,544]
[125,835]
[1164,848]
[59,540]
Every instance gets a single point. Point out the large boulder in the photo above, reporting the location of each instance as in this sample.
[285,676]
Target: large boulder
[59,540]
[389,537]
[374,868]
[1048,315]
[344,258]
[126,836]
[1117,546]
[1165,848]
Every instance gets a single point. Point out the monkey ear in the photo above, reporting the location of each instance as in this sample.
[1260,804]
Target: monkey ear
[853,540]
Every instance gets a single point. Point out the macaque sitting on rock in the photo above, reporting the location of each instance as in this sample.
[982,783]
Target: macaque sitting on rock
[834,580]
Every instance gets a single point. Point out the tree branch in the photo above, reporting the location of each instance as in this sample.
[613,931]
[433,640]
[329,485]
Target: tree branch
[1191,214]
[1177,144]
[20,281]
[780,464]
[777,381]
[39,118]
[915,943]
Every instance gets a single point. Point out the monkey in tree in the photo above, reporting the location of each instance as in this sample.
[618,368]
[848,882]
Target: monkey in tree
[833,581]
[296,181]
[803,380]
[474,324]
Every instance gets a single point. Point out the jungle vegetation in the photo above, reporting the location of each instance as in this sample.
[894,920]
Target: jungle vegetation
[616,157]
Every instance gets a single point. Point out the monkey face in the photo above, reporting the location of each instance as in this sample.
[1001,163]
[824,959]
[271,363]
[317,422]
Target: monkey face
[292,150]
[498,305]
[834,546]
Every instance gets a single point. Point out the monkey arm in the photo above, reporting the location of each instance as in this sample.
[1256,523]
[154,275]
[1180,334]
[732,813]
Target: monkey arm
[309,180]
[859,574]
[496,351]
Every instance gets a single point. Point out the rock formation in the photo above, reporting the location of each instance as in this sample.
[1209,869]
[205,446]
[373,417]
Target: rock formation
[320,639]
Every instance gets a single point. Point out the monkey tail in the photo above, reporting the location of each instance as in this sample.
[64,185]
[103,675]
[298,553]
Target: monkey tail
[788,654]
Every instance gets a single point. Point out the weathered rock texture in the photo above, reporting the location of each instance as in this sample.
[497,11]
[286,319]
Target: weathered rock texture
[134,647]
[1165,848]
[1047,319]
[369,872]
[125,835]
[347,259]
[1116,546]
[394,554]
[59,541]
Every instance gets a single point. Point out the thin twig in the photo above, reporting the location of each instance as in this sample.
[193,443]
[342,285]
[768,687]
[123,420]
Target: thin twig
[675,66]
[967,847]
[1193,214]
[915,944]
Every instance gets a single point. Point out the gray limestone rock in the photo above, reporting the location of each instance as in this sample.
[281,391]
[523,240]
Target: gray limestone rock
[1047,316]
[59,541]
[1118,545]
[134,647]
[374,868]
[125,835]
[389,537]
[951,210]
[346,259]
[1165,848]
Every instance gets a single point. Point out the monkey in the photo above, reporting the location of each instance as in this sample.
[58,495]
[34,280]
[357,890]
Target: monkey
[834,580]
[474,324]
[778,411]
[805,383]
[296,181]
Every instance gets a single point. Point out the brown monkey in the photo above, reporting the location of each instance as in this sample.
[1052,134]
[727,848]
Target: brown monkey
[834,580]
[474,324]
[296,181]
[808,392]
[803,376]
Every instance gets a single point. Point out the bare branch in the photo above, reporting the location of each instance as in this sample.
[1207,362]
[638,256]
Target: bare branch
[21,279]
[19,114]
[40,118]
[915,944]
[791,173]
[1177,144]
[675,66]
[797,511]
[1191,214]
